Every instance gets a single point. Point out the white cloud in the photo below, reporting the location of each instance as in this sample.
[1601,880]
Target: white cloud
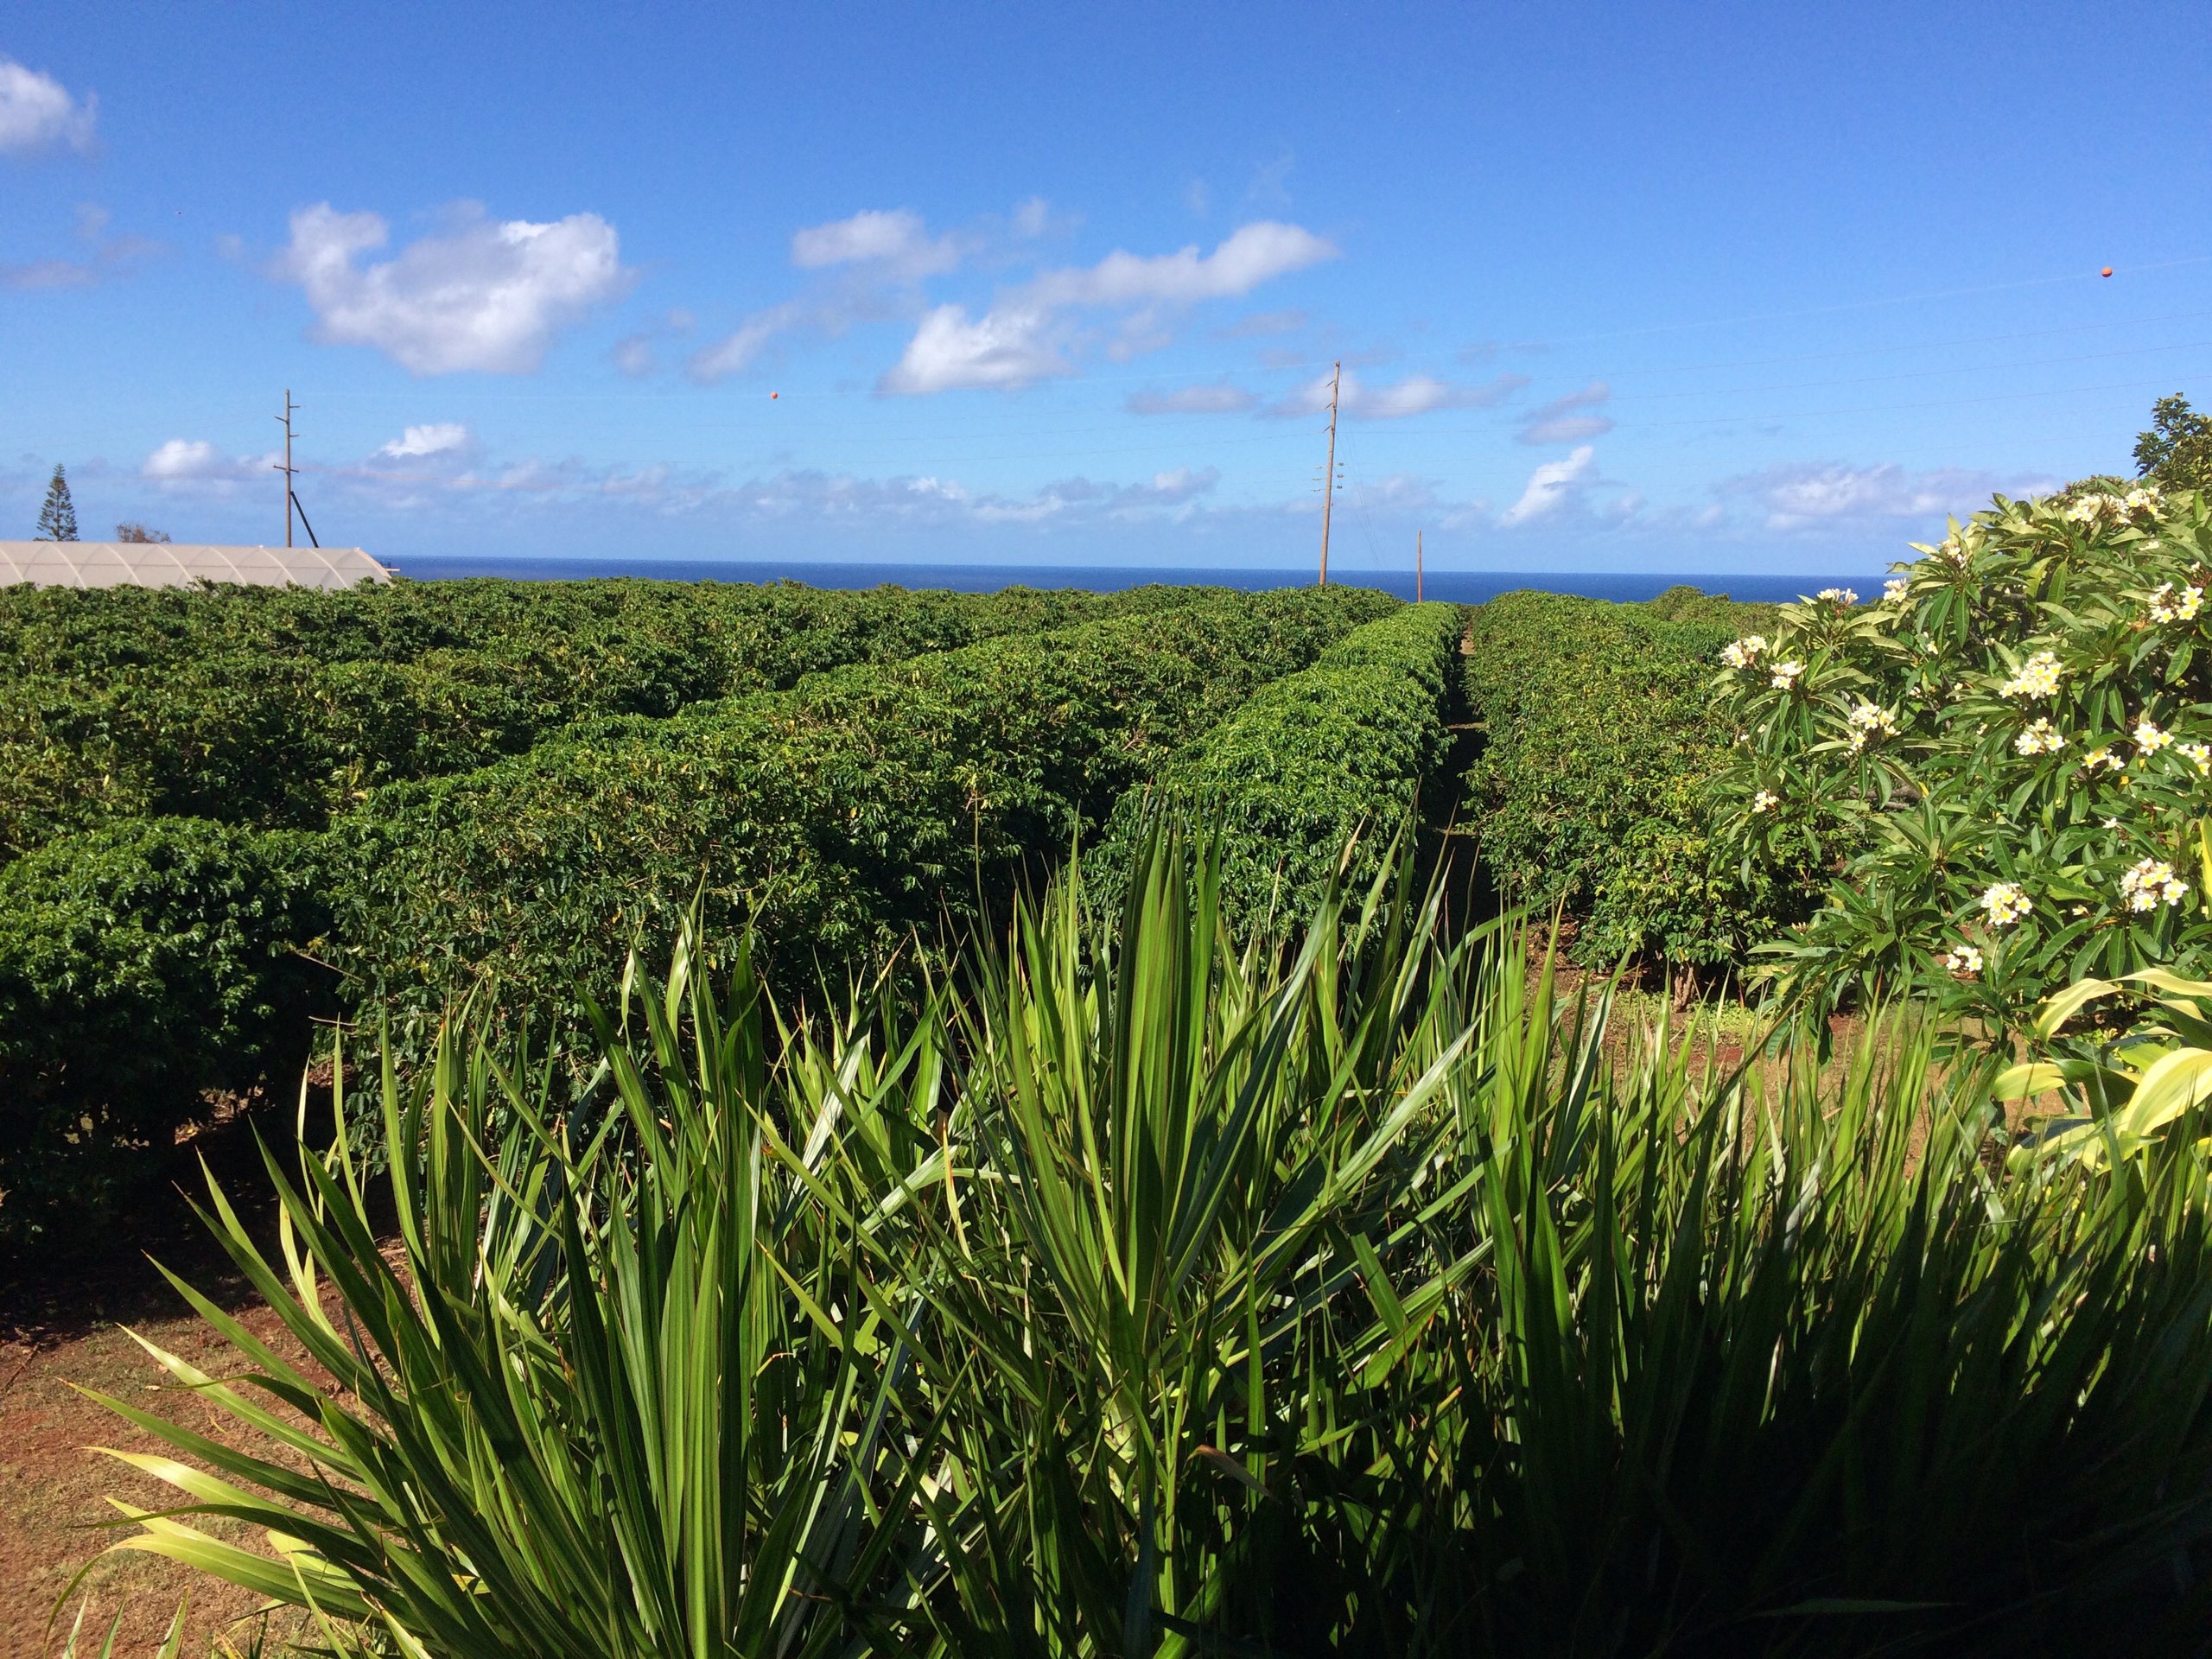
[1557,422]
[1798,495]
[196,464]
[181,458]
[1220,398]
[1417,394]
[111,256]
[1019,341]
[633,355]
[1394,492]
[844,499]
[443,438]
[1033,218]
[1004,349]
[1264,322]
[1253,254]
[734,354]
[49,273]
[879,256]
[478,294]
[896,241]
[37,113]
[1550,487]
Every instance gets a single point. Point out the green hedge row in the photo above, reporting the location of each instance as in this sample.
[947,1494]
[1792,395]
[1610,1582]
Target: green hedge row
[140,964]
[1310,759]
[279,707]
[1590,790]
[145,961]
[839,818]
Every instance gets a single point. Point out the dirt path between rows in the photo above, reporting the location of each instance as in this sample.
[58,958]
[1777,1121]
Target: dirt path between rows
[62,1322]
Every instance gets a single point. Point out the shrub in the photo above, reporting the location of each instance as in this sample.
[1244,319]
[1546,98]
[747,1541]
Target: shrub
[2005,761]
[277,707]
[1309,760]
[1590,790]
[837,819]
[140,964]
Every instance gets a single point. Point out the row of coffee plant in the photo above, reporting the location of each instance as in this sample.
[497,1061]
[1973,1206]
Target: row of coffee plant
[145,961]
[1154,1292]
[2007,759]
[1590,792]
[278,707]
[1312,761]
[864,807]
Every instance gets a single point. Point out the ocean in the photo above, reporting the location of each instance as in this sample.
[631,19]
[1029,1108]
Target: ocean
[1462,587]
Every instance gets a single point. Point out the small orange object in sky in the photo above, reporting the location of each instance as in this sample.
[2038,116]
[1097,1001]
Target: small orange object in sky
[774,394]
[2106,271]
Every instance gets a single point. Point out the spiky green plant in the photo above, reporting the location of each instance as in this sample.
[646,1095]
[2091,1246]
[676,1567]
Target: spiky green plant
[588,1402]
[1148,1292]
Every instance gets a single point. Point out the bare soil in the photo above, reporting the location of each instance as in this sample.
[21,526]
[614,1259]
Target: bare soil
[64,1327]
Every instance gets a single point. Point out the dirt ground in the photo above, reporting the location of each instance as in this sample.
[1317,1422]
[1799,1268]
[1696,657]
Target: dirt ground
[62,1322]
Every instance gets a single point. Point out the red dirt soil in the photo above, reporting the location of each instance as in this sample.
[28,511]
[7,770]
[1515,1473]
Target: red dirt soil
[62,1321]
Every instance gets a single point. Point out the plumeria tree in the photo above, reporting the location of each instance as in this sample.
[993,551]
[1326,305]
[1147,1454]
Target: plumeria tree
[2003,762]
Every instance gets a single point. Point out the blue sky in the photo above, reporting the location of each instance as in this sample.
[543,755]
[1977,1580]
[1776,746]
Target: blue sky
[1691,287]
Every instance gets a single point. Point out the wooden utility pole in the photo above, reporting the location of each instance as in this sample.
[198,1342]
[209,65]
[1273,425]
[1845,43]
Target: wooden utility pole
[1416,567]
[1329,473]
[285,421]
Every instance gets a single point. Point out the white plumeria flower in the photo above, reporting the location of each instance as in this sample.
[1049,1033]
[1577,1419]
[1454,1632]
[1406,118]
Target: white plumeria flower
[2148,739]
[1785,674]
[1963,959]
[1895,589]
[2199,755]
[2005,903]
[2090,509]
[2151,883]
[1742,653]
[1837,595]
[2041,738]
[2103,755]
[2142,498]
[1765,801]
[2168,606]
[2037,677]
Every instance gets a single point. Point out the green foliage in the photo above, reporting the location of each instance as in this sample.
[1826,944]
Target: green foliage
[2005,761]
[140,964]
[2134,1089]
[839,819]
[2175,453]
[57,514]
[277,706]
[1167,1296]
[1308,761]
[1589,793]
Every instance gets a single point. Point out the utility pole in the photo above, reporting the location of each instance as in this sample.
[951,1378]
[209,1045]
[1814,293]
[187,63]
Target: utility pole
[1329,474]
[285,421]
[1416,567]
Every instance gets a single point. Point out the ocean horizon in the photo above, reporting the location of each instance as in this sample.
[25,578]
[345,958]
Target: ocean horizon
[1460,587]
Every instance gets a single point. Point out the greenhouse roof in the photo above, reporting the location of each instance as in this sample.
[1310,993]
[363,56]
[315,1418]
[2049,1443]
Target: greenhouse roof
[164,564]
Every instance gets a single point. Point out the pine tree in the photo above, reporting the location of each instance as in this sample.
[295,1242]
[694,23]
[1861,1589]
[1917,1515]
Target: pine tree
[57,519]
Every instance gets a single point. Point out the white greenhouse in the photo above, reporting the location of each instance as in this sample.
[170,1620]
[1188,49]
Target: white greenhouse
[164,564]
